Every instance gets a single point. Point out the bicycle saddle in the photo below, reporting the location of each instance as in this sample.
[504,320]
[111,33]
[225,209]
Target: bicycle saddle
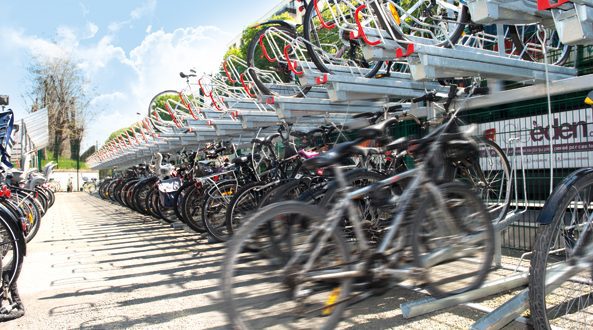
[335,155]
[376,130]
[183,75]
[365,151]
[298,134]
[399,144]
[241,160]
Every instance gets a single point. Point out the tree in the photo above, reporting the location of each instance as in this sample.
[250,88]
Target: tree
[248,35]
[116,134]
[59,86]
[91,150]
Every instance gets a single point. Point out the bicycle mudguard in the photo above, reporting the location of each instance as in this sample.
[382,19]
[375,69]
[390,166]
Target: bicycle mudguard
[546,215]
[278,22]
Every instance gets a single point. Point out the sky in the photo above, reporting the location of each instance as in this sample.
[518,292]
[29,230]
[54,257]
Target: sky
[127,50]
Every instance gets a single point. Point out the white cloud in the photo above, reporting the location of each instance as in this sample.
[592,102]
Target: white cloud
[148,29]
[116,26]
[145,9]
[102,99]
[162,55]
[92,30]
[66,37]
[37,47]
[95,57]
[154,66]
[85,10]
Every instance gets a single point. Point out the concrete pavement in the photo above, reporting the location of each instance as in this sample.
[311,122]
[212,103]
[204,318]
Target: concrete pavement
[96,265]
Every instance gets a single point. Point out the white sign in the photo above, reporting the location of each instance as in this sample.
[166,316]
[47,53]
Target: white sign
[570,132]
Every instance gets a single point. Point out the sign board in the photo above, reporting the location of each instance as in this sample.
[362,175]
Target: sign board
[570,132]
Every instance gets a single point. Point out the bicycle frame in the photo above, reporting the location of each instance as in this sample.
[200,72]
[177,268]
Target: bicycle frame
[346,203]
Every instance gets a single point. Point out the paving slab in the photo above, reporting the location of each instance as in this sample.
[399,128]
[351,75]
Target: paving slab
[97,265]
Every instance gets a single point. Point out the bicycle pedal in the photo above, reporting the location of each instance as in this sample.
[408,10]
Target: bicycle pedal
[7,309]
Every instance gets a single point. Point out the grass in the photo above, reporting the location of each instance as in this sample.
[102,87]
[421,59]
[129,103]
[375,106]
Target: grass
[63,163]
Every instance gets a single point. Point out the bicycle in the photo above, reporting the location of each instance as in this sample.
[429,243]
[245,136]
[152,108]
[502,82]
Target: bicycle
[447,243]
[561,267]
[89,186]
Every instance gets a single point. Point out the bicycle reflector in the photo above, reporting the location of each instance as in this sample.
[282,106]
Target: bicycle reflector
[394,13]
[589,98]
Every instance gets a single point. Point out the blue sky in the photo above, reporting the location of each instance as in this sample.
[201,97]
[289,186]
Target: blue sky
[128,50]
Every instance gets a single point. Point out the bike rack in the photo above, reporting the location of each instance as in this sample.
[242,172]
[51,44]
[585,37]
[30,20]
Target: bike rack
[575,25]
[295,55]
[507,12]
[343,86]
[432,62]
[292,108]
[513,308]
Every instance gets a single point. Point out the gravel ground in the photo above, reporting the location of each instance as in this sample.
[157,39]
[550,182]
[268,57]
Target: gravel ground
[98,265]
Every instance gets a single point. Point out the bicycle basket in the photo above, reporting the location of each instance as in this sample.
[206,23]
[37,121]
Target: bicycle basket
[167,189]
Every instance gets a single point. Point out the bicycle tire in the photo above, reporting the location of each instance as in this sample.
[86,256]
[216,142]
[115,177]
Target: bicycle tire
[180,194]
[141,194]
[13,243]
[192,209]
[251,56]
[29,201]
[213,204]
[443,278]
[495,193]
[31,217]
[307,25]
[556,232]
[166,213]
[244,201]
[278,256]
[520,47]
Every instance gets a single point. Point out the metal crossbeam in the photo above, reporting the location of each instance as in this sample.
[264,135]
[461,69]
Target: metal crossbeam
[293,108]
[343,87]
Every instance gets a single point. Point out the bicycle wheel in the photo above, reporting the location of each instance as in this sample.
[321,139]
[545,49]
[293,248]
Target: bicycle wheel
[290,190]
[31,210]
[527,40]
[262,289]
[12,247]
[332,46]
[490,177]
[141,193]
[427,21]
[192,209]
[560,276]
[152,200]
[243,203]
[178,198]
[268,67]
[166,213]
[454,245]
[31,217]
[50,194]
[216,202]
